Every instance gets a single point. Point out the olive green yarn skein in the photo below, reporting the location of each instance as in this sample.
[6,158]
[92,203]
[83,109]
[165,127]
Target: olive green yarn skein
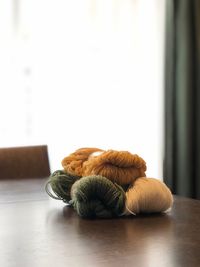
[97,196]
[61,183]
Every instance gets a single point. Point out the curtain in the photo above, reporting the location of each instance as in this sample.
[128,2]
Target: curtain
[83,73]
[182,98]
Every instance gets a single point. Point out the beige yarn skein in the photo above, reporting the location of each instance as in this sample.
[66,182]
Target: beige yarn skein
[147,195]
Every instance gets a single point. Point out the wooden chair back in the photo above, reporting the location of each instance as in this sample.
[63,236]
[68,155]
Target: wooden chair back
[24,162]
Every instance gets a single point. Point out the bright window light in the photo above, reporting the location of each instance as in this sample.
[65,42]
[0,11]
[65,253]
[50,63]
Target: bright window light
[83,73]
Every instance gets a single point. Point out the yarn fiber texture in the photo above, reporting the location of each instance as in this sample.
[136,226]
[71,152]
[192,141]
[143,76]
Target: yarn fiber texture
[147,195]
[120,167]
[96,196]
[61,183]
[74,162]
[107,184]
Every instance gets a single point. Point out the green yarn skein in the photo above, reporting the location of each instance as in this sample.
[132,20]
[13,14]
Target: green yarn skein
[61,183]
[97,196]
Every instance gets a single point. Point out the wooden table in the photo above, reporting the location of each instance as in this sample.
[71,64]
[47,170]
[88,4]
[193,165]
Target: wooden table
[38,231]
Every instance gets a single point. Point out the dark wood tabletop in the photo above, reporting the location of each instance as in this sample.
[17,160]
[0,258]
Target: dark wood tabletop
[38,231]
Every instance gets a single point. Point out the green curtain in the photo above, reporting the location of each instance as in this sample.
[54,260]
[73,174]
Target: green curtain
[182,97]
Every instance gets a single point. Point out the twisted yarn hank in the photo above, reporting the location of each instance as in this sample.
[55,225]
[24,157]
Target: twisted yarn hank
[147,195]
[96,196]
[120,167]
[74,162]
[61,183]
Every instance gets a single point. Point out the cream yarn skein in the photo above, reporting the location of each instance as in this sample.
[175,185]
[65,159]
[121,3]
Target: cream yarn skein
[147,195]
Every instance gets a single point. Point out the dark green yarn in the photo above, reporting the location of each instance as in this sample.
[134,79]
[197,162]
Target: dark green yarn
[96,196]
[61,183]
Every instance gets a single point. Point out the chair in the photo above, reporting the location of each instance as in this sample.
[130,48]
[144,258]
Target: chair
[24,162]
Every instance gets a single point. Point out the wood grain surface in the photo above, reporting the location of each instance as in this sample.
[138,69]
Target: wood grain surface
[38,231]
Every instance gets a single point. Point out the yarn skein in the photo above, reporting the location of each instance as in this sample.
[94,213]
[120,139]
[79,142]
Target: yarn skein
[147,195]
[61,183]
[74,162]
[120,167]
[96,196]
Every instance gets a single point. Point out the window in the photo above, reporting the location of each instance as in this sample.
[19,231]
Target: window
[83,73]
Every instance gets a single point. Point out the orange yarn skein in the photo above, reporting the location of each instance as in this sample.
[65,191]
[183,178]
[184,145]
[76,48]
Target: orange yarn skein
[147,195]
[74,162]
[120,167]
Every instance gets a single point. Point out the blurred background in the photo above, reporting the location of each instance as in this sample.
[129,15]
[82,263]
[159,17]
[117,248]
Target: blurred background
[83,73]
